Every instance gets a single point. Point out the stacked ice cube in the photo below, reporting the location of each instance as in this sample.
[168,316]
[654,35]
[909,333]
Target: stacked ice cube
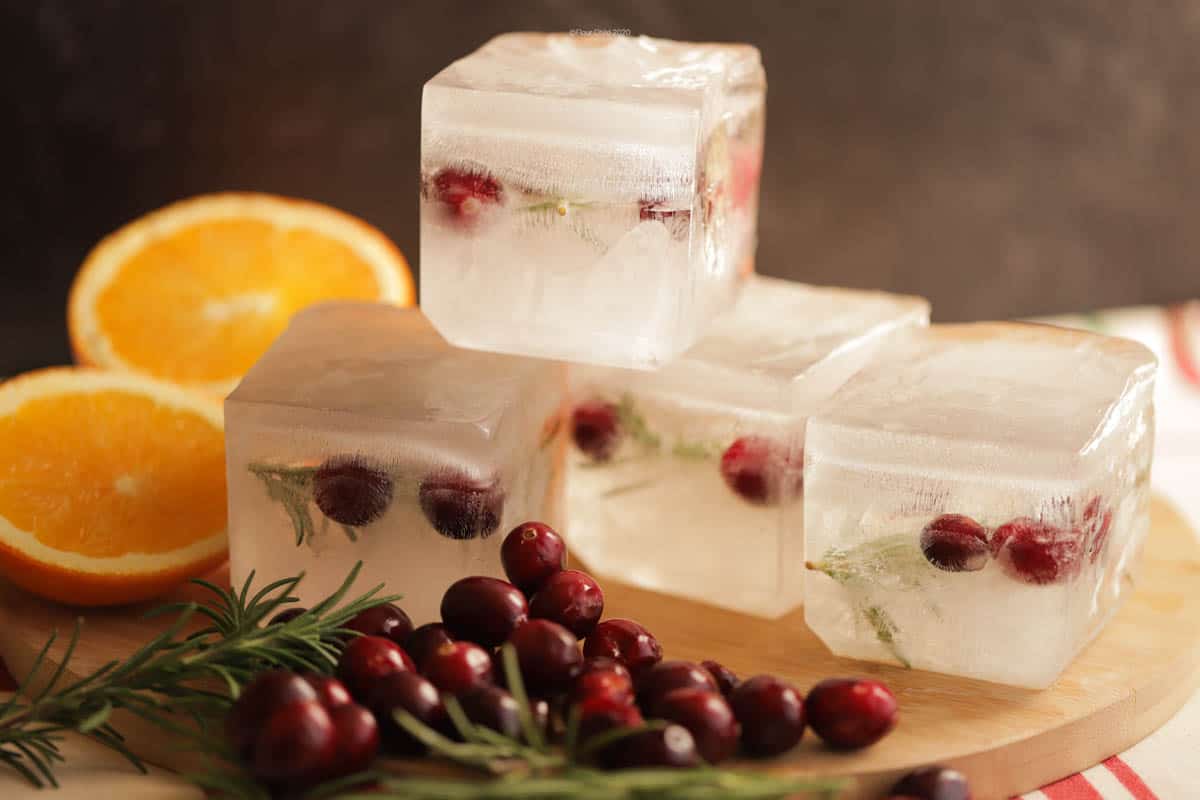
[959,493]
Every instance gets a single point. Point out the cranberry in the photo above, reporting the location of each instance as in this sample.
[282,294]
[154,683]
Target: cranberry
[349,491]
[297,745]
[599,715]
[369,658]
[483,610]
[1097,520]
[286,616]
[264,695]
[548,654]
[603,682]
[666,676]
[387,620]
[331,692]
[603,664]
[424,640]
[771,713]
[707,716]
[726,680]
[676,220]
[414,694]
[493,708]
[357,736]
[934,783]
[458,667]
[464,193]
[461,507]
[596,429]
[531,553]
[672,746]
[762,471]
[625,641]
[1036,552]
[571,598]
[849,713]
[955,543]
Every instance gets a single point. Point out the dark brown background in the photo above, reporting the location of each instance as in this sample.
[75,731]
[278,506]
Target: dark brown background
[1002,158]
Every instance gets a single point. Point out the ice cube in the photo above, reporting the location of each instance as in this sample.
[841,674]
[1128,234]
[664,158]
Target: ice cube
[363,435]
[695,490]
[567,175]
[1041,437]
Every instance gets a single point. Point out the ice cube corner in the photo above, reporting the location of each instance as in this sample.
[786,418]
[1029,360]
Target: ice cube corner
[1028,447]
[590,198]
[362,435]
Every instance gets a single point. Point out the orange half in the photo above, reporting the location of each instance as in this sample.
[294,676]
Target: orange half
[195,292]
[112,485]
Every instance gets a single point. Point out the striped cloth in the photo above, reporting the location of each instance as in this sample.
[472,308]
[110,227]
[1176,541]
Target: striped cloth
[1163,766]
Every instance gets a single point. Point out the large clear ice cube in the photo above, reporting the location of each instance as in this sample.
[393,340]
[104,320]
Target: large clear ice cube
[589,198]
[1042,437]
[362,435]
[696,489]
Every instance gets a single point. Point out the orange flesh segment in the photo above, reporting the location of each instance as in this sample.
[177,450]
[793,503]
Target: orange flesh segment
[109,473]
[220,292]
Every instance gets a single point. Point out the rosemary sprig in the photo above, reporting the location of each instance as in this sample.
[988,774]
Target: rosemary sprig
[169,680]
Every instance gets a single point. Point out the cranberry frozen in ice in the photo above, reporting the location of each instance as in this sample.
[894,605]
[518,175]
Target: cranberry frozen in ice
[979,491]
[557,167]
[692,477]
[361,435]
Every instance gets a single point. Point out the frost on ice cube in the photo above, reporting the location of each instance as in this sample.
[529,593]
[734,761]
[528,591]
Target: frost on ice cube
[565,177]
[363,435]
[688,480]
[975,498]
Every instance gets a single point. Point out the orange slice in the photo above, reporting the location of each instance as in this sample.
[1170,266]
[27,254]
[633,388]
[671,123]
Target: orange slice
[195,292]
[112,485]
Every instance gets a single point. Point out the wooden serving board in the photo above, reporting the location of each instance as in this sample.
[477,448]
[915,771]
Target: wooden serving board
[1126,684]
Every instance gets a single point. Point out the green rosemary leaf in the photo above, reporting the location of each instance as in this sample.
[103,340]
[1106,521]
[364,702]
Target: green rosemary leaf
[634,424]
[516,687]
[96,719]
[885,631]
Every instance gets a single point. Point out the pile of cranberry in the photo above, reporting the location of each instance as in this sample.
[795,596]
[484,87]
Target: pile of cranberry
[297,730]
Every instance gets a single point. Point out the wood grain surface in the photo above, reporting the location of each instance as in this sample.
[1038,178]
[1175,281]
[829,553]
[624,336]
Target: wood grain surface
[1140,670]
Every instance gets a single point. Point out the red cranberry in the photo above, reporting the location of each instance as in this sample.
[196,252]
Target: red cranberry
[286,616]
[1036,552]
[263,696]
[331,693]
[349,491]
[934,783]
[424,640]
[1097,521]
[483,610]
[849,713]
[357,735]
[603,664]
[493,708]
[369,658]
[548,654]
[458,667]
[762,471]
[603,682]
[531,553]
[707,716]
[771,713]
[676,220]
[672,746]
[625,641]
[414,694]
[571,598]
[596,429]
[297,745]
[726,680]
[461,507]
[387,620]
[464,193]
[599,715]
[655,682]
[955,543]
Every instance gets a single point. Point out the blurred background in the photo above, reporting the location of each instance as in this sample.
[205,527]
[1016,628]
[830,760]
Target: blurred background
[1003,159]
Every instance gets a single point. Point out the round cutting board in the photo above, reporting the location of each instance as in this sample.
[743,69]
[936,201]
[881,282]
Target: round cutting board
[1123,686]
